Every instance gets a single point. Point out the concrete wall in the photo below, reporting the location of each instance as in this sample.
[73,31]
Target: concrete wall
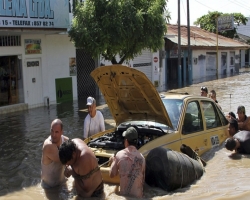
[200,66]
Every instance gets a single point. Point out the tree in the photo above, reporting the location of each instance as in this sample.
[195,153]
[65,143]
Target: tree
[208,22]
[119,27]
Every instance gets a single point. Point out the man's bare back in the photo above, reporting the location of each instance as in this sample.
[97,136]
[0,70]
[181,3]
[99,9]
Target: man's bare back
[84,168]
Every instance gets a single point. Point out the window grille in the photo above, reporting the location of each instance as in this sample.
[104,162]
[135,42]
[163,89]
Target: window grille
[10,40]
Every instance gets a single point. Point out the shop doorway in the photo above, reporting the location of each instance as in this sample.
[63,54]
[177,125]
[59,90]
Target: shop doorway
[9,78]
[172,73]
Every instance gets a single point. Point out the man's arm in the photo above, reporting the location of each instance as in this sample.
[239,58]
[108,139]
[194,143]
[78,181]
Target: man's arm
[114,168]
[50,154]
[86,128]
[102,124]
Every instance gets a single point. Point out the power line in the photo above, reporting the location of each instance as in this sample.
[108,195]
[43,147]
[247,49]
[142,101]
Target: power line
[230,1]
[239,4]
[204,5]
[244,5]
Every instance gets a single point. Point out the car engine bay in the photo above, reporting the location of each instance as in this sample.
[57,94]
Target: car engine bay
[115,140]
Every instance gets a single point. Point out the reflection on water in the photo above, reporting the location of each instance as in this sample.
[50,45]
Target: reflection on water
[22,135]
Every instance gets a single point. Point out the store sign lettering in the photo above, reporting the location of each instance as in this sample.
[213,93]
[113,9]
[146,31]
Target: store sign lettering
[18,8]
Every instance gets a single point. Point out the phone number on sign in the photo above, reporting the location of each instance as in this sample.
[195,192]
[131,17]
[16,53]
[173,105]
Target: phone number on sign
[26,23]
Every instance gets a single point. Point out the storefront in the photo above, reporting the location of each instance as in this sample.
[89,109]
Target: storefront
[9,80]
[35,53]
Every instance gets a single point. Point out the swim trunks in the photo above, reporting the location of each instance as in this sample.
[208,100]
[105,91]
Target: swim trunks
[99,190]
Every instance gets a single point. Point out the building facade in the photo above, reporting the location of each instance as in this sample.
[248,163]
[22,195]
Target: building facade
[244,36]
[207,59]
[37,59]
[39,65]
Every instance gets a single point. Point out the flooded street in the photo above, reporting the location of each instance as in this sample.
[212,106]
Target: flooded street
[22,135]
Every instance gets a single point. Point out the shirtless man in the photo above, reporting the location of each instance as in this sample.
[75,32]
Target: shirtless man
[129,163]
[240,142]
[243,120]
[52,173]
[83,166]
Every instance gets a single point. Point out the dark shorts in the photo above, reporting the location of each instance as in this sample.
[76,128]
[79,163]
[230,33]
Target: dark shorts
[99,190]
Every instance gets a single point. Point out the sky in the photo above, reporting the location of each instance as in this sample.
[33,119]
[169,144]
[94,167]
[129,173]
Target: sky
[198,8]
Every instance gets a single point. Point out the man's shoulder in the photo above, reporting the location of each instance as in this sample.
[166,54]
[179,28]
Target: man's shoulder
[241,135]
[243,132]
[99,112]
[47,141]
[121,153]
[48,146]
[65,138]
[87,117]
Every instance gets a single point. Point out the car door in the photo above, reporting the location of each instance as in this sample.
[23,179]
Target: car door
[215,123]
[192,129]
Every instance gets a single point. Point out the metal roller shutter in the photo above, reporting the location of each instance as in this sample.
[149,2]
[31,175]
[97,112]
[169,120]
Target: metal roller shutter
[143,63]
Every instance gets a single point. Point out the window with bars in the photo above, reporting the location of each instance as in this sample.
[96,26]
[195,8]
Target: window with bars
[10,40]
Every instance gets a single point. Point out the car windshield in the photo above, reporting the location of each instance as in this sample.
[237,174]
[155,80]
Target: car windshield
[173,107]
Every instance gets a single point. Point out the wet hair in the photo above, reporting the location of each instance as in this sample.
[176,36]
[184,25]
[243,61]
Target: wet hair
[241,109]
[232,115]
[213,92]
[230,144]
[203,88]
[66,151]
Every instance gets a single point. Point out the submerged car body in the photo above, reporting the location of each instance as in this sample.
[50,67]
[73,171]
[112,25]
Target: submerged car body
[161,120]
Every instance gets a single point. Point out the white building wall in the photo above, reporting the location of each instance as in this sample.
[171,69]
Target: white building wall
[54,63]
[155,72]
[58,51]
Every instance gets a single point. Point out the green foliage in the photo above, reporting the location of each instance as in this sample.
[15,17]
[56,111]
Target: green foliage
[208,22]
[119,27]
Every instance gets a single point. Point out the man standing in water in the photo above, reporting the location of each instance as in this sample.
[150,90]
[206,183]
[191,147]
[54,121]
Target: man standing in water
[83,166]
[212,95]
[94,121]
[130,164]
[52,173]
[243,120]
[204,91]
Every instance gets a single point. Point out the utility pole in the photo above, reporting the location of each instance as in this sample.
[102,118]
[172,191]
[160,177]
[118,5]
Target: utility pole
[217,51]
[179,47]
[190,78]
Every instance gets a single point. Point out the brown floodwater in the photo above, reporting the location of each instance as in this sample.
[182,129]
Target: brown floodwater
[22,135]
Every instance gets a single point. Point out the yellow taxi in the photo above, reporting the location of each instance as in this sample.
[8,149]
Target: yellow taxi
[167,121]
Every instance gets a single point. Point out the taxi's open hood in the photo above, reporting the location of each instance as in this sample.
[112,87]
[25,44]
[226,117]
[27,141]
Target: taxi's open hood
[130,95]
